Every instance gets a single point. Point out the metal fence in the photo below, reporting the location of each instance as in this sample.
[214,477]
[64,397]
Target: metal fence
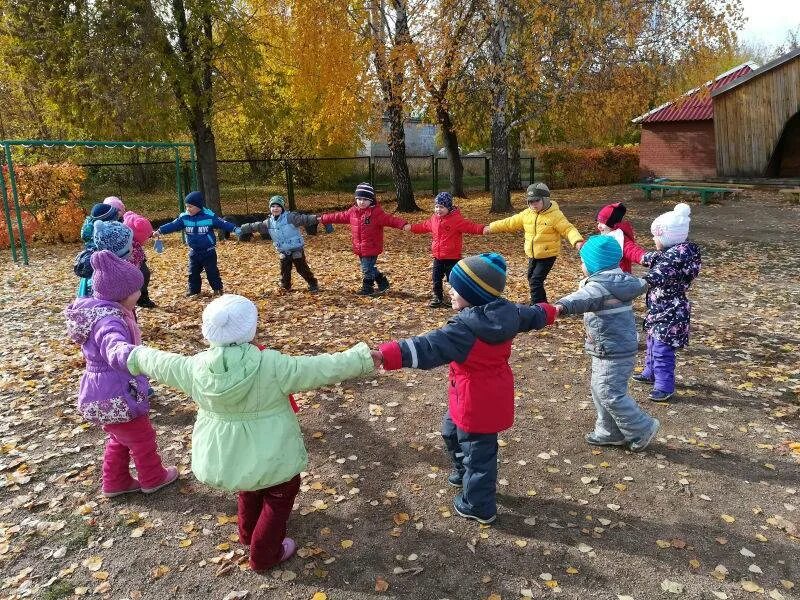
[309,184]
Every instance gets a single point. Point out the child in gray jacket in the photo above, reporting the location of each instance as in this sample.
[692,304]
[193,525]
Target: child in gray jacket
[605,298]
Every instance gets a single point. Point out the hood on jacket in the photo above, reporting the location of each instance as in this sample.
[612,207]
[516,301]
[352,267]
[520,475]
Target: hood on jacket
[626,228]
[225,374]
[623,286]
[82,315]
[495,322]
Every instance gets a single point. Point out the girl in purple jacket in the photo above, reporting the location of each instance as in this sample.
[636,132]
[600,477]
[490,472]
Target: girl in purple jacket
[105,327]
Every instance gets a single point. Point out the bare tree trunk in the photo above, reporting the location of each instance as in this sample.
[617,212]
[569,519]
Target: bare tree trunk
[453,152]
[501,193]
[397,152]
[208,180]
[514,175]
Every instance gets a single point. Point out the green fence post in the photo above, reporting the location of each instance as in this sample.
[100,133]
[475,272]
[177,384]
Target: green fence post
[486,173]
[533,162]
[194,167]
[433,173]
[186,179]
[12,242]
[289,184]
[370,171]
[13,178]
[178,187]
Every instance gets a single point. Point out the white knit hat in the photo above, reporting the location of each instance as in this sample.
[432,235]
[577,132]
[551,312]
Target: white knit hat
[672,227]
[230,319]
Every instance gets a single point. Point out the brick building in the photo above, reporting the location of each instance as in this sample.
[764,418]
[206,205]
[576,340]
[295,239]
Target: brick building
[678,137]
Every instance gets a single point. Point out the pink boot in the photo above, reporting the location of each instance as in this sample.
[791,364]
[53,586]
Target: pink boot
[172,475]
[133,487]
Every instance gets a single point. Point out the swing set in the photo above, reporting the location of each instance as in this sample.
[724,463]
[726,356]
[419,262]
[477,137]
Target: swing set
[180,192]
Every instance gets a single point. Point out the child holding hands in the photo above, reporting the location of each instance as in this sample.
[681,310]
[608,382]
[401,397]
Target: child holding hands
[673,267]
[282,228]
[110,395]
[605,298]
[367,220]
[246,437]
[477,344]
[447,226]
[199,223]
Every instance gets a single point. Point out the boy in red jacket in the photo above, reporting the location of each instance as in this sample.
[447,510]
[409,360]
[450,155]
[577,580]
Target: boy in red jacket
[477,344]
[447,226]
[366,220]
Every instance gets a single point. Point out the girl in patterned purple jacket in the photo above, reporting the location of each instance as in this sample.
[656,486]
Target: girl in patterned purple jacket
[105,327]
[673,267]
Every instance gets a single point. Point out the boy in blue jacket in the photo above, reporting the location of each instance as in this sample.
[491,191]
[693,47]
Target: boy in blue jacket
[199,222]
[605,299]
[477,344]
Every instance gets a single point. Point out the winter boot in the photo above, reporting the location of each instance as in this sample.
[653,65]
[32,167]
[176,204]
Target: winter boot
[383,283]
[436,302]
[367,287]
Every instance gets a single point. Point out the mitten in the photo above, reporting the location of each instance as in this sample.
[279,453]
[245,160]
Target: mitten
[328,228]
[158,246]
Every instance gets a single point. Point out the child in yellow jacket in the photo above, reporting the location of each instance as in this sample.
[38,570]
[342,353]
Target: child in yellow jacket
[544,225]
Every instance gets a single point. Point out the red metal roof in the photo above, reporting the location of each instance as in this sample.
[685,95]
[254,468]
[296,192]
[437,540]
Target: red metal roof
[694,105]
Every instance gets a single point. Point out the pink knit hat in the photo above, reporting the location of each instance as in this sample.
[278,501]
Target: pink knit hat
[114,279]
[141,227]
[116,203]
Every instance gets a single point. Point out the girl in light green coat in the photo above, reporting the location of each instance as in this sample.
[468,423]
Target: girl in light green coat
[246,437]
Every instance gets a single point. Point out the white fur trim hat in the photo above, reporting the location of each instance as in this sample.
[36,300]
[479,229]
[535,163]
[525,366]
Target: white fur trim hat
[672,227]
[230,319]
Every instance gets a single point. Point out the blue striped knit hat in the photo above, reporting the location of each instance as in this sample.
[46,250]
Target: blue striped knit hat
[479,279]
[113,236]
[600,253]
[445,199]
[365,190]
[103,212]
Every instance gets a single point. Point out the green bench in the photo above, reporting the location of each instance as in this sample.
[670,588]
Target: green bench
[793,192]
[704,191]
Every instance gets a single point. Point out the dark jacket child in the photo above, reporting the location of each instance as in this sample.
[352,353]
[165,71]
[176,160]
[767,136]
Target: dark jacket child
[367,220]
[477,344]
[605,299]
[672,269]
[611,219]
[199,222]
[282,228]
[99,212]
[447,226]
[108,235]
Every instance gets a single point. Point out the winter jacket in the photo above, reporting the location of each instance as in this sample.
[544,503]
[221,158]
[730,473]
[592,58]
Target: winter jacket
[246,436]
[631,251]
[283,231]
[668,309]
[448,233]
[366,227]
[199,229]
[108,392]
[605,300]
[477,344]
[543,230]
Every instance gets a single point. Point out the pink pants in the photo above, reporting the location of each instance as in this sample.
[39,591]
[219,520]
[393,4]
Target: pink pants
[135,439]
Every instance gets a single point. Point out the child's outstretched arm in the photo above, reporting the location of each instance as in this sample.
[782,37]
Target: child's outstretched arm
[507,225]
[221,223]
[590,298]
[537,316]
[569,232]
[171,369]
[301,220]
[422,227]
[452,342]
[301,373]
[171,227]
[467,226]
[113,340]
[341,217]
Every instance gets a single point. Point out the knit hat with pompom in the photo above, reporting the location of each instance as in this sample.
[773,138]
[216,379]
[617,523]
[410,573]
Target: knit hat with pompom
[230,319]
[113,278]
[672,228]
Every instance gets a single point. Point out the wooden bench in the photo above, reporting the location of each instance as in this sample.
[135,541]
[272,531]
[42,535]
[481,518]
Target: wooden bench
[703,191]
[793,192]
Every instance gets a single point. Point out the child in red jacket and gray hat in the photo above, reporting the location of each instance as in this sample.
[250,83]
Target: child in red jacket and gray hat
[477,344]
[367,220]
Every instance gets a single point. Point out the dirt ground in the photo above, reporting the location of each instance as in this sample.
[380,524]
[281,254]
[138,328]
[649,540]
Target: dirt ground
[709,511]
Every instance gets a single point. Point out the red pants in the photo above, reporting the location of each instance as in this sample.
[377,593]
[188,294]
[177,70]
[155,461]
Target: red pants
[262,521]
[135,439]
